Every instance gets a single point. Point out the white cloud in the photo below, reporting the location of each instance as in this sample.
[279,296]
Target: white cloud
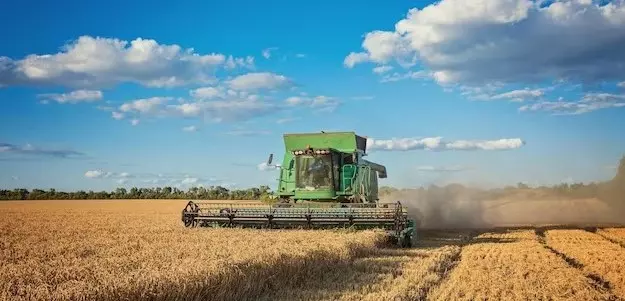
[74,96]
[300,55]
[382,69]
[500,144]
[408,75]
[207,93]
[188,109]
[519,95]
[355,58]
[437,144]
[295,100]
[588,103]
[223,110]
[267,52]
[134,122]
[258,80]
[232,62]
[477,42]
[191,128]
[117,115]
[227,109]
[97,174]
[428,168]
[144,105]
[621,84]
[97,61]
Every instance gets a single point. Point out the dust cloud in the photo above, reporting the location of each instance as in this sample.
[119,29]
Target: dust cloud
[456,206]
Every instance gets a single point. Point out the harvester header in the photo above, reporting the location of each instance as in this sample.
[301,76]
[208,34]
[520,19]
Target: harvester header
[324,181]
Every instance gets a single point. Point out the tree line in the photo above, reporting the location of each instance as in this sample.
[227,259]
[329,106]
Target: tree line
[207,193]
[613,191]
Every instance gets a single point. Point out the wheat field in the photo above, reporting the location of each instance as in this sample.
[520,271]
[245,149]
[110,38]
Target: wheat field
[139,250]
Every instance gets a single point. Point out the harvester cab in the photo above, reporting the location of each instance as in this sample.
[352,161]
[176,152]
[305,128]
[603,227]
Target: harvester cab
[328,167]
[324,181]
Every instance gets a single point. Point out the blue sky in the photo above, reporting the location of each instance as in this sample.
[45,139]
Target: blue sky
[99,95]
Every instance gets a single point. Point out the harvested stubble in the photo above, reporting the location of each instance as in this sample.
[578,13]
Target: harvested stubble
[513,266]
[391,274]
[131,250]
[601,259]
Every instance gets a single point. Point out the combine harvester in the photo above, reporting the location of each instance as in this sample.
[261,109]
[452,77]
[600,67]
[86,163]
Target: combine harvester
[324,183]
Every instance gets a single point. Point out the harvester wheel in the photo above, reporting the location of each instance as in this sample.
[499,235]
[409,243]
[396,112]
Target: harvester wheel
[406,242]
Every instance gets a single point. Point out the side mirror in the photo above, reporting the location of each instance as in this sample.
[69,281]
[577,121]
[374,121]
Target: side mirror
[270,159]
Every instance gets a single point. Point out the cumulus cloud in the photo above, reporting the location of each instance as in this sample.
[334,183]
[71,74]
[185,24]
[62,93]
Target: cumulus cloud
[207,93]
[588,103]
[28,149]
[144,105]
[224,110]
[382,69]
[259,80]
[74,96]
[437,144]
[355,58]
[621,84]
[230,108]
[134,122]
[98,61]
[477,42]
[97,174]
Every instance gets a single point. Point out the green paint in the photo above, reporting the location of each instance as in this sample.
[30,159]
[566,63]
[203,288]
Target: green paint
[342,176]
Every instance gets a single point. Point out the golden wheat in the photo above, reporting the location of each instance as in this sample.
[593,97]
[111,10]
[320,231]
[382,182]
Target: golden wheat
[392,274]
[128,250]
[616,235]
[138,249]
[598,256]
[513,266]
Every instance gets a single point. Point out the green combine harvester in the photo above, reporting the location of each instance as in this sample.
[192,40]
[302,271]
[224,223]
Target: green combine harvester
[324,183]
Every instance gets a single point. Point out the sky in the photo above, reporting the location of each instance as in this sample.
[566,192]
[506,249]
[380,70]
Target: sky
[96,95]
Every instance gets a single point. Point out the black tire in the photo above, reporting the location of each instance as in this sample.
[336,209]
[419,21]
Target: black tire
[406,242]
